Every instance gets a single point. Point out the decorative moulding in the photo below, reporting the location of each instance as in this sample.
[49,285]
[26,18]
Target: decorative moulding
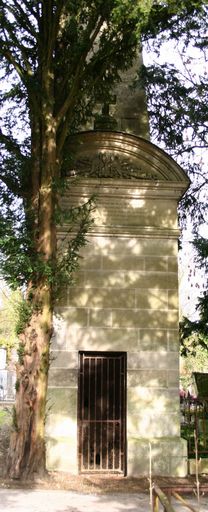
[120,156]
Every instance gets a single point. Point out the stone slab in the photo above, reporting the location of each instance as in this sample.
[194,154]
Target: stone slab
[151,360]
[62,400]
[61,455]
[63,359]
[168,456]
[62,377]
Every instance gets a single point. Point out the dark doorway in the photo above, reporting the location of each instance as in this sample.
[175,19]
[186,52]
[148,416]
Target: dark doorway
[102,412]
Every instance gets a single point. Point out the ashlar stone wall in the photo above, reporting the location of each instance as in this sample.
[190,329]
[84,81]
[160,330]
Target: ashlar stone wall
[125,298]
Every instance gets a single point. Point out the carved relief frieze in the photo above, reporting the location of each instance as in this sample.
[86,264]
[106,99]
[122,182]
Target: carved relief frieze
[118,156]
[108,164]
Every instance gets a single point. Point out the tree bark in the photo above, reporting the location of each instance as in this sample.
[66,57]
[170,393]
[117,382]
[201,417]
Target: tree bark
[27,447]
[26,454]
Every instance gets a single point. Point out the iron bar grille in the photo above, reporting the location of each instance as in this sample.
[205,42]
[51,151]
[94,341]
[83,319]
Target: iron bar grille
[102,412]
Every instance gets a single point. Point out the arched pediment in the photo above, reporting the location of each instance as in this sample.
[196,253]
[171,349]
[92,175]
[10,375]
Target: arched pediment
[117,155]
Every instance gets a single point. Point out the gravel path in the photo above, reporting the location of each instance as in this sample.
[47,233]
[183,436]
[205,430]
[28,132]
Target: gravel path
[67,501]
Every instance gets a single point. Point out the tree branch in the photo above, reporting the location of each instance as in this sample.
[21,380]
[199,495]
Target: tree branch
[10,181]
[71,98]
[32,11]
[22,18]
[11,145]
[7,54]
[11,36]
[65,126]
[49,26]
[12,185]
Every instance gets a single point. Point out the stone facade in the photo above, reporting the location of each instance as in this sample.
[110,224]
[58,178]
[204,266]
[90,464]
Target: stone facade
[125,298]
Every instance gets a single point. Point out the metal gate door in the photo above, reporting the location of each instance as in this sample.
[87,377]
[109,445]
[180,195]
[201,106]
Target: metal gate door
[102,412]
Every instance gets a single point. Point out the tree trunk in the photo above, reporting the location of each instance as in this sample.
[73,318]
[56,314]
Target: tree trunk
[27,445]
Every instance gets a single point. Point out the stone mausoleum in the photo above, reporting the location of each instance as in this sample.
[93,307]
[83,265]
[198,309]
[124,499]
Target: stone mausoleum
[114,377]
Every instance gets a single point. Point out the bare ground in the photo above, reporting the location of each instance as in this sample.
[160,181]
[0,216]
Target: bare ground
[92,484]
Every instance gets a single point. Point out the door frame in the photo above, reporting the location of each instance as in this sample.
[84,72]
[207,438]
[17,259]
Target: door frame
[106,354]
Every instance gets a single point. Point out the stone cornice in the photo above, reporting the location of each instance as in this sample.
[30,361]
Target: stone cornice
[124,232]
[124,188]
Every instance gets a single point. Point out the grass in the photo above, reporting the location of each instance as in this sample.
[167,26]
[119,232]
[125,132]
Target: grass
[5,417]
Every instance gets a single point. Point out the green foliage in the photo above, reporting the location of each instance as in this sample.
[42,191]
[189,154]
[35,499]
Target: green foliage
[14,419]
[17,385]
[194,337]
[5,417]
[58,58]
[177,95]
[201,244]
[25,309]
[21,353]
[194,344]
[84,46]
[194,334]
[68,255]
[8,318]
[44,362]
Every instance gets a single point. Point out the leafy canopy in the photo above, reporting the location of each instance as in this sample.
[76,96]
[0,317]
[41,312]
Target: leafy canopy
[177,94]
[61,56]
[58,59]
